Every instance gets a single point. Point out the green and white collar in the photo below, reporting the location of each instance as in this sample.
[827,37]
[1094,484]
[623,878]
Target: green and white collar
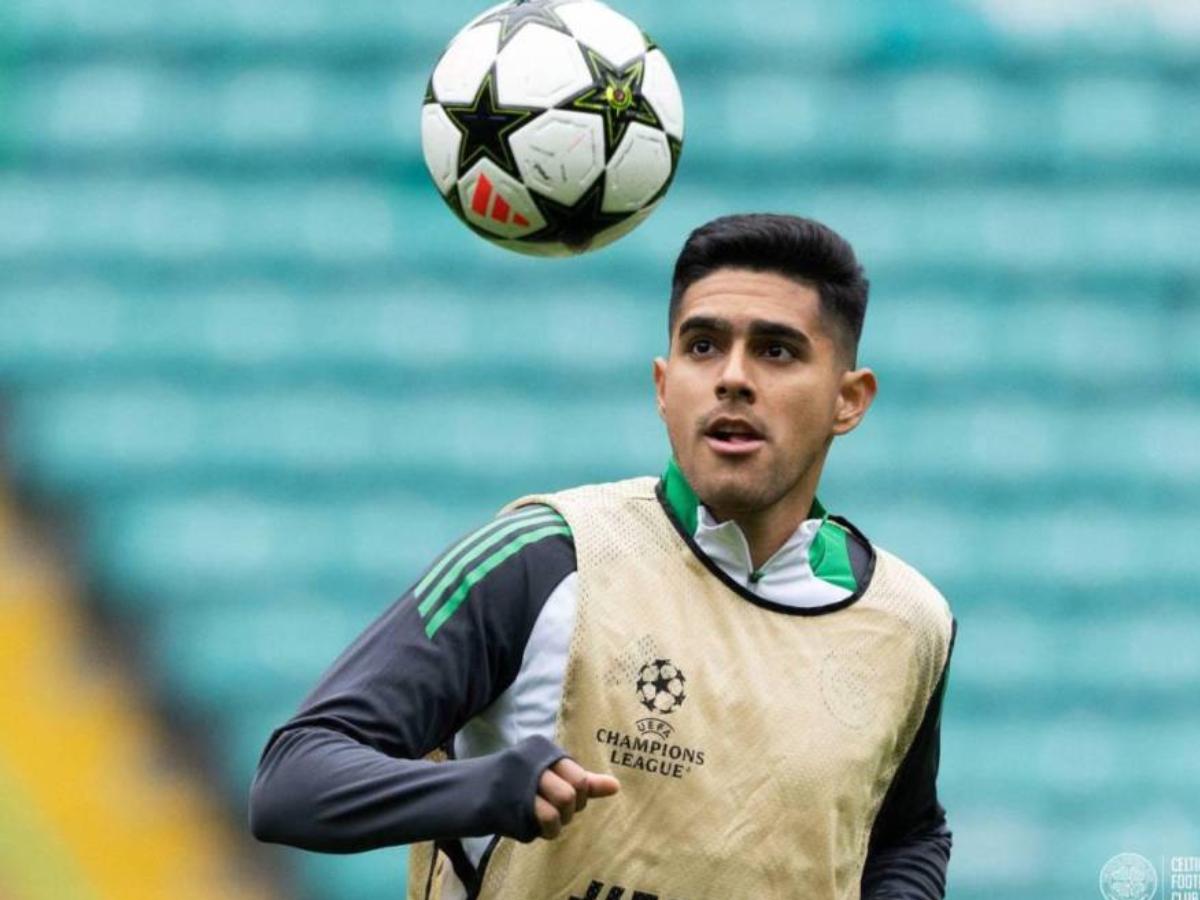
[813,569]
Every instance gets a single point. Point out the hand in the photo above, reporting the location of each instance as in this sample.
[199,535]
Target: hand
[563,790]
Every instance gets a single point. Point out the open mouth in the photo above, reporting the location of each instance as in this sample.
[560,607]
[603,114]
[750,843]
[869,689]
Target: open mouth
[733,439]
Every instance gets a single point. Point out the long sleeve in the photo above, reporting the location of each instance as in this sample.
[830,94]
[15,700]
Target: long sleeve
[910,843]
[347,773]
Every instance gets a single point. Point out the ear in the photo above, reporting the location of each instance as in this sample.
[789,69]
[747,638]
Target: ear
[659,371]
[858,389]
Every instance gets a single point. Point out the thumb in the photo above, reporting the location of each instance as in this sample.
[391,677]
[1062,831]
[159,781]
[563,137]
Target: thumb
[602,785]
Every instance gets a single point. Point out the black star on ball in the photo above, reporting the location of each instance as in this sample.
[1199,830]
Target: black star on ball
[616,94]
[518,14]
[576,225]
[485,127]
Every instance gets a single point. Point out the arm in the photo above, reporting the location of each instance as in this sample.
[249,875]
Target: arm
[346,773]
[909,849]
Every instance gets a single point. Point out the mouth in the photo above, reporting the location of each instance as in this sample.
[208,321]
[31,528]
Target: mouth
[733,438]
[734,445]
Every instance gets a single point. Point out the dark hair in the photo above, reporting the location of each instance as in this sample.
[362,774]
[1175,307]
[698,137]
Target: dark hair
[801,249]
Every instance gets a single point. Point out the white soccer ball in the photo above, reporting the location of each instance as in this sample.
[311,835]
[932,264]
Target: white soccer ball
[552,127]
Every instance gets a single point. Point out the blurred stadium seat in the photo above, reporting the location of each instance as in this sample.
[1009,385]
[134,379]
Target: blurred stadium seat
[93,801]
[244,343]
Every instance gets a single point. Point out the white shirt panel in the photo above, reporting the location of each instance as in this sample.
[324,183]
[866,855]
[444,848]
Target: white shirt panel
[530,705]
[786,578]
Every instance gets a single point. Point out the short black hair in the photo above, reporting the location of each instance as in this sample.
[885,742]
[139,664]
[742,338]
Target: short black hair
[797,248]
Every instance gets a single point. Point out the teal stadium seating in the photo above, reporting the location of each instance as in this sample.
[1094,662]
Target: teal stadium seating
[247,351]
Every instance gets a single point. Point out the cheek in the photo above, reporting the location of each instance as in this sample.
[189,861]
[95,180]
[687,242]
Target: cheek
[678,406]
[686,404]
[680,395]
[807,413]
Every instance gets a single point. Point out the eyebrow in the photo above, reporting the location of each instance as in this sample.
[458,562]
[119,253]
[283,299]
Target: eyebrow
[758,328]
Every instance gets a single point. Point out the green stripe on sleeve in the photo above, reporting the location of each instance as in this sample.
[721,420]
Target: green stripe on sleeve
[482,570]
[471,538]
[452,575]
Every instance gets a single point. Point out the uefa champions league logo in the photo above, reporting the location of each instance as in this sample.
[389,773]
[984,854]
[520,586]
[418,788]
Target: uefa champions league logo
[1128,876]
[660,686]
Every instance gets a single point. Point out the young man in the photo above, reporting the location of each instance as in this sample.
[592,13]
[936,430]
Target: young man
[741,689]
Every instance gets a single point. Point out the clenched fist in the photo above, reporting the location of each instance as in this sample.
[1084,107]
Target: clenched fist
[563,790]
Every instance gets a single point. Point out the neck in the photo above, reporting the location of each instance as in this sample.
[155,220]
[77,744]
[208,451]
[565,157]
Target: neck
[768,529]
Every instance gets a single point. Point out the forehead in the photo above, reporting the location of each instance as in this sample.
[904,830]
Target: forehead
[742,295]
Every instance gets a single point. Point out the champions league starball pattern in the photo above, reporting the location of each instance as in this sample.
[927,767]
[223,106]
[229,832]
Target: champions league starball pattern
[660,686]
[552,127]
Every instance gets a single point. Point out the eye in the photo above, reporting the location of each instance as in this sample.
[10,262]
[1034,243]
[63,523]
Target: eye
[699,346]
[779,351]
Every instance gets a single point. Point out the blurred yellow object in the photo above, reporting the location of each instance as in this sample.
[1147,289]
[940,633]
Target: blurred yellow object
[90,805]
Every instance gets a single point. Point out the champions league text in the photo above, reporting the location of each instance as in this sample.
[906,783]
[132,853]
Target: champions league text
[649,754]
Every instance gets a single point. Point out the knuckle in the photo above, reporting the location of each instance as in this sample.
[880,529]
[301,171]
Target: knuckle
[566,799]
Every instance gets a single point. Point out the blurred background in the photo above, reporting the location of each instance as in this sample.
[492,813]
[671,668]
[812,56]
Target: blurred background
[254,376]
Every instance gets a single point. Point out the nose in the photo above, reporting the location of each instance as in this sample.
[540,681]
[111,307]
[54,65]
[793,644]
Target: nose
[734,381]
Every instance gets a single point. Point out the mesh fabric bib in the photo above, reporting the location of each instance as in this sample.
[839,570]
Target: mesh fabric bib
[754,747]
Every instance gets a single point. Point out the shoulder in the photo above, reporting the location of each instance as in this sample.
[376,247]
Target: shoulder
[502,571]
[912,599]
[905,578]
[610,494]
[913,596]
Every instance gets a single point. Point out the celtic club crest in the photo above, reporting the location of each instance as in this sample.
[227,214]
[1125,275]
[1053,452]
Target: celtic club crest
[1128,876]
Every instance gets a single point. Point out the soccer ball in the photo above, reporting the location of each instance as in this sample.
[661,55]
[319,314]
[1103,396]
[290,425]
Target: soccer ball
[660,686]
[552,127]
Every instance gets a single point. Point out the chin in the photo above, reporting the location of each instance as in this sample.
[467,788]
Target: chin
[733,493]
